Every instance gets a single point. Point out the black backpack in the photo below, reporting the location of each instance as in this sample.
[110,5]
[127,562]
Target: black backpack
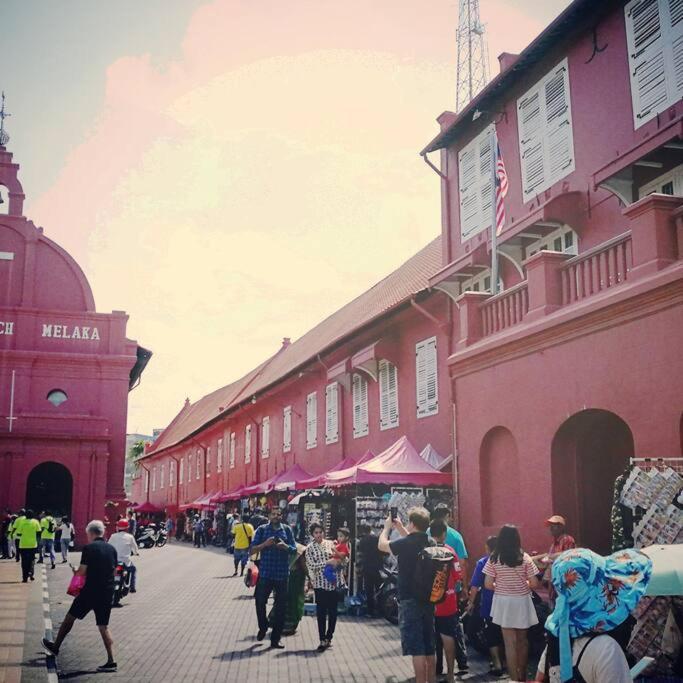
[50,526]
[432,569]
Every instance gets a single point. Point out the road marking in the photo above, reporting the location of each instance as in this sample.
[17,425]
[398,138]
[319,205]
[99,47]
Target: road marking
[50,662]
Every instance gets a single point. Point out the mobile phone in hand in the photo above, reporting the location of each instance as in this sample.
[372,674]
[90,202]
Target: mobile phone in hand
[394,514]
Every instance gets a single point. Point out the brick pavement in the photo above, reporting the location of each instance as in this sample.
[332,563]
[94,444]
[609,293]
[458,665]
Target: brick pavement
[190,621]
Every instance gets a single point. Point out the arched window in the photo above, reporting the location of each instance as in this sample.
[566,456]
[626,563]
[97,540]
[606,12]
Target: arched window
[4,200]
[57,397]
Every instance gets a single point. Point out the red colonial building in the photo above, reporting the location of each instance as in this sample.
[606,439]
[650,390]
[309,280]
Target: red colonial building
[576,365]
[370,373]
[65,373]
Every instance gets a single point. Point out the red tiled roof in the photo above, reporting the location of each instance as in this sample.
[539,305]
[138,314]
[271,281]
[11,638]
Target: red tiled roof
[409,279]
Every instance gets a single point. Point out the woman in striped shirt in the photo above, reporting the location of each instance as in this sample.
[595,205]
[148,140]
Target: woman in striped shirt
[511,574]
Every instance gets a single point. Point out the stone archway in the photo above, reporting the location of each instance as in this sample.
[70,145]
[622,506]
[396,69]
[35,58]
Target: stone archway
[50,487]
[589,451]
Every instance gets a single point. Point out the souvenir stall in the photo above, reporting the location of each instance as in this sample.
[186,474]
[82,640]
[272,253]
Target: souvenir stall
[648,515]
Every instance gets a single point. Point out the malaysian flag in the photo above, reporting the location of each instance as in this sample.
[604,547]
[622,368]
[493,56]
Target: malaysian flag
[501,189]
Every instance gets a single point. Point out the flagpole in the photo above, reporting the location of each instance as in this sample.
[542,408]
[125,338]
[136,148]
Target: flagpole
[11,402]
[494,236]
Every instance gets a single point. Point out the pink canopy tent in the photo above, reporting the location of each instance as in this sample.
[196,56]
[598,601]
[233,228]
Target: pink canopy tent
[291,479]
[205,500]
[319,480]
[218,497]
[235,494]
[398,464]
[147,507]
[430,456]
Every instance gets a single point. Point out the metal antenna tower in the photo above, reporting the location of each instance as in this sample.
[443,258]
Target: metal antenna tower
[473,59]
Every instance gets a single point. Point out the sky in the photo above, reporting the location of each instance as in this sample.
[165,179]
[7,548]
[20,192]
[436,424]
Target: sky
[231,172]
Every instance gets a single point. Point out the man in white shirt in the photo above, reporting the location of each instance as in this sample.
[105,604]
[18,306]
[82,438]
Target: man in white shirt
[126,547]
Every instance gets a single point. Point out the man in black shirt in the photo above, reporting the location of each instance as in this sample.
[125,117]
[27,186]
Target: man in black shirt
[416,618]
[98,563]
[370,563]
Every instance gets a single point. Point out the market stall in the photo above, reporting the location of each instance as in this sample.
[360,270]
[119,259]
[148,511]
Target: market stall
[648,515]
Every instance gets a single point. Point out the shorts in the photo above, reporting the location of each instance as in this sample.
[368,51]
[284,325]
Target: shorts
[241,555]
[416,622]
[100,604]
[447,626]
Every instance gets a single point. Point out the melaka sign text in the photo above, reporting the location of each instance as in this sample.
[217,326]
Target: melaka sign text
[57,331]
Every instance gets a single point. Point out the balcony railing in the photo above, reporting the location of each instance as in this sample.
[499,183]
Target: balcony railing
[597,269]
[505,309]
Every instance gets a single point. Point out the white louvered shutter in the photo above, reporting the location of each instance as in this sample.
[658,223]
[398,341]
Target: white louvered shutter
[287,429]
[360,406]
[181,472]
[468,187]
[388,393]
[171,473]
[146,481]
[233,442]
[426,378]
[198,464]
[208,462]
[332,413]
[247,444]
[675,17]
[529,120]
[559,138]
[647,61]
[265,437]
[311,421]
[485,179]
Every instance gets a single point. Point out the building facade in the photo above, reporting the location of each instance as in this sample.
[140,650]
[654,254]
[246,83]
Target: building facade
[65,373]
[372,372]
[575,366]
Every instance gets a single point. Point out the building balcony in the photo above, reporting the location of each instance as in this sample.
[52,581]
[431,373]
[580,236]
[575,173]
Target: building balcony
[556,281]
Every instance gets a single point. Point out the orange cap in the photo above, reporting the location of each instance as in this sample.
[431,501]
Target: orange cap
[556,519]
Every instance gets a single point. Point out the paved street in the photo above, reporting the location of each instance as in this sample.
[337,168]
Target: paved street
[190,621]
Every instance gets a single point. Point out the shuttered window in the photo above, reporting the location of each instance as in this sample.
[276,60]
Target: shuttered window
[265,437]
[181,472]
[247,444]
[654,35]
[426,378]
[474,167]
[154,478]
[287,429]
[198,465]
[161,476]
[388,395]
[233,444]
[332,413]
[146,481]
[546,140]
[219,455]
[311,420]
[208,461]
[359,392]
[171,473]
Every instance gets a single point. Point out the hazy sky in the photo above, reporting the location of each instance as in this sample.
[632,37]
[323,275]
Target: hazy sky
[231,172]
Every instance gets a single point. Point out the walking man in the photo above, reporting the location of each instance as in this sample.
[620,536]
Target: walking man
[126,547]
[243,534]
[98,563]
[47,537]
[16,532]
[274,541]
[28,545]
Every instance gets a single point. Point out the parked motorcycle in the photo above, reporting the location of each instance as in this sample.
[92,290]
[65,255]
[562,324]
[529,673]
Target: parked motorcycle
[122,579]
[386,596]
[162,538]
[146,536]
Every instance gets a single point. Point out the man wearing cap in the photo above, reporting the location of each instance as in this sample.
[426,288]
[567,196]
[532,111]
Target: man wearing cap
[126,547]
[561,541]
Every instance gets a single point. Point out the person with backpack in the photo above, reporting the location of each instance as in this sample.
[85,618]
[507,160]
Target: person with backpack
[416,610]
[16,532]
[67,538]
[243,534]
[450,640]
[590,627]
[47,537]
[511,574]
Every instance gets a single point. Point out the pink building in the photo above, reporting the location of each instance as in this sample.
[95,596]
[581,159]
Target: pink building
[576,365]
[373,371]
[65,373]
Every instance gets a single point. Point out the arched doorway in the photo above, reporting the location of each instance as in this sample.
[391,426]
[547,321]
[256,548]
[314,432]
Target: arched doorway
[49,487]
[499,468]
[589,451]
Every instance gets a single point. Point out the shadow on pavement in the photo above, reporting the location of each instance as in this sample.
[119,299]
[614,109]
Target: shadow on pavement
[254,651]
[77,674]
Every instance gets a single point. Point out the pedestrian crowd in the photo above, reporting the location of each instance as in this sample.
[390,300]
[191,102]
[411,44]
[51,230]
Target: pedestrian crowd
[592,597]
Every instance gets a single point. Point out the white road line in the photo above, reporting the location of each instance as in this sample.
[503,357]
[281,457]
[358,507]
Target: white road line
[50,663]
[48,624]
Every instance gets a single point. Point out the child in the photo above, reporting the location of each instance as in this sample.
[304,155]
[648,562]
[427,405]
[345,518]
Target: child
[333,572]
